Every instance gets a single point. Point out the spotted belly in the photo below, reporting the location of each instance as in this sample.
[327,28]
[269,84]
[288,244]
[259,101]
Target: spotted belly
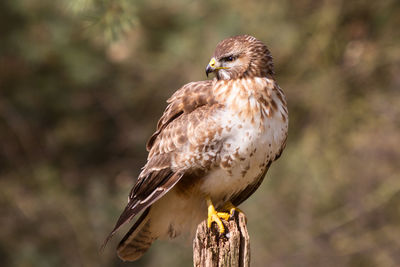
[244,157]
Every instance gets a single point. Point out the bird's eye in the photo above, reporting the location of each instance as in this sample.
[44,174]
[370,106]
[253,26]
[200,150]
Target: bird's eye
[229,58]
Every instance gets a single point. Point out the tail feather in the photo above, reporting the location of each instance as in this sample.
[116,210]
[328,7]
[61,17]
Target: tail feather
[138,240]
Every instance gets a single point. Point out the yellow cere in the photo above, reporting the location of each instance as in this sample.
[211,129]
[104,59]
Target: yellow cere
[212,62]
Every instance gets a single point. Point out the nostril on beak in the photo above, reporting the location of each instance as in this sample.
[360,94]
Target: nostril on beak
[212,63]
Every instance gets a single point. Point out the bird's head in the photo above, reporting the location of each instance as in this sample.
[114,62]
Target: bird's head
[240,56]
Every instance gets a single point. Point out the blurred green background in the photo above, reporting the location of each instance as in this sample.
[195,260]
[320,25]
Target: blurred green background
[83,82]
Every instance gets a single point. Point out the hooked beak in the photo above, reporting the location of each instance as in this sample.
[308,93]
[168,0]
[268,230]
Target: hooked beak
[211,66]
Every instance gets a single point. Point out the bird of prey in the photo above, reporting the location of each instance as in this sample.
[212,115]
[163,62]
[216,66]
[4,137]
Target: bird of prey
[211,149]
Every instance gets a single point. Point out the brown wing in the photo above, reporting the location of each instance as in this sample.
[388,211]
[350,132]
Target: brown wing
[190,97]
[158,175]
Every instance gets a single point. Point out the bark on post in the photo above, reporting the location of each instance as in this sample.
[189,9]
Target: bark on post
[211,249]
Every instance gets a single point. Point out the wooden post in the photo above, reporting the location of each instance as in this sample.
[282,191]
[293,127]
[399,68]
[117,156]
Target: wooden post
[212,249]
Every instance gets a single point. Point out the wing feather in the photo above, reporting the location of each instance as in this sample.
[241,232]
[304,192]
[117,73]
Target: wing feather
[190,97]
[167,179]
[158,176]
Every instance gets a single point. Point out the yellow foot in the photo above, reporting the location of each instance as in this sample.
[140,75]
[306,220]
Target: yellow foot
[231,208]
[214,216]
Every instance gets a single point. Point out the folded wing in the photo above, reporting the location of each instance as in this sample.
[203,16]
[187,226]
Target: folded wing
[159,174]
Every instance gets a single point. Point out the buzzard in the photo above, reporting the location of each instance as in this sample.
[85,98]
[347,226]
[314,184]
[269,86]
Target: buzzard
[211,149]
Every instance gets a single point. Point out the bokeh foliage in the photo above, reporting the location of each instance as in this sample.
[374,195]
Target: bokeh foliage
[82,83]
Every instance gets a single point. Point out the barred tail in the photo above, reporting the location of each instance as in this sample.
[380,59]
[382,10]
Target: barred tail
[138,240]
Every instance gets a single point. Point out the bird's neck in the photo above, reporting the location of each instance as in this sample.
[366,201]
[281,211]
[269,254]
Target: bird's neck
[251,97]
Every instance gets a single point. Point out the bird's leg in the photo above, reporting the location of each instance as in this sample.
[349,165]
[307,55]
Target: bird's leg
[231,208]
[214,216]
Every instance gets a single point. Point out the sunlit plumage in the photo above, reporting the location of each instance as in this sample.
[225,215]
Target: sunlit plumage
[215,140]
